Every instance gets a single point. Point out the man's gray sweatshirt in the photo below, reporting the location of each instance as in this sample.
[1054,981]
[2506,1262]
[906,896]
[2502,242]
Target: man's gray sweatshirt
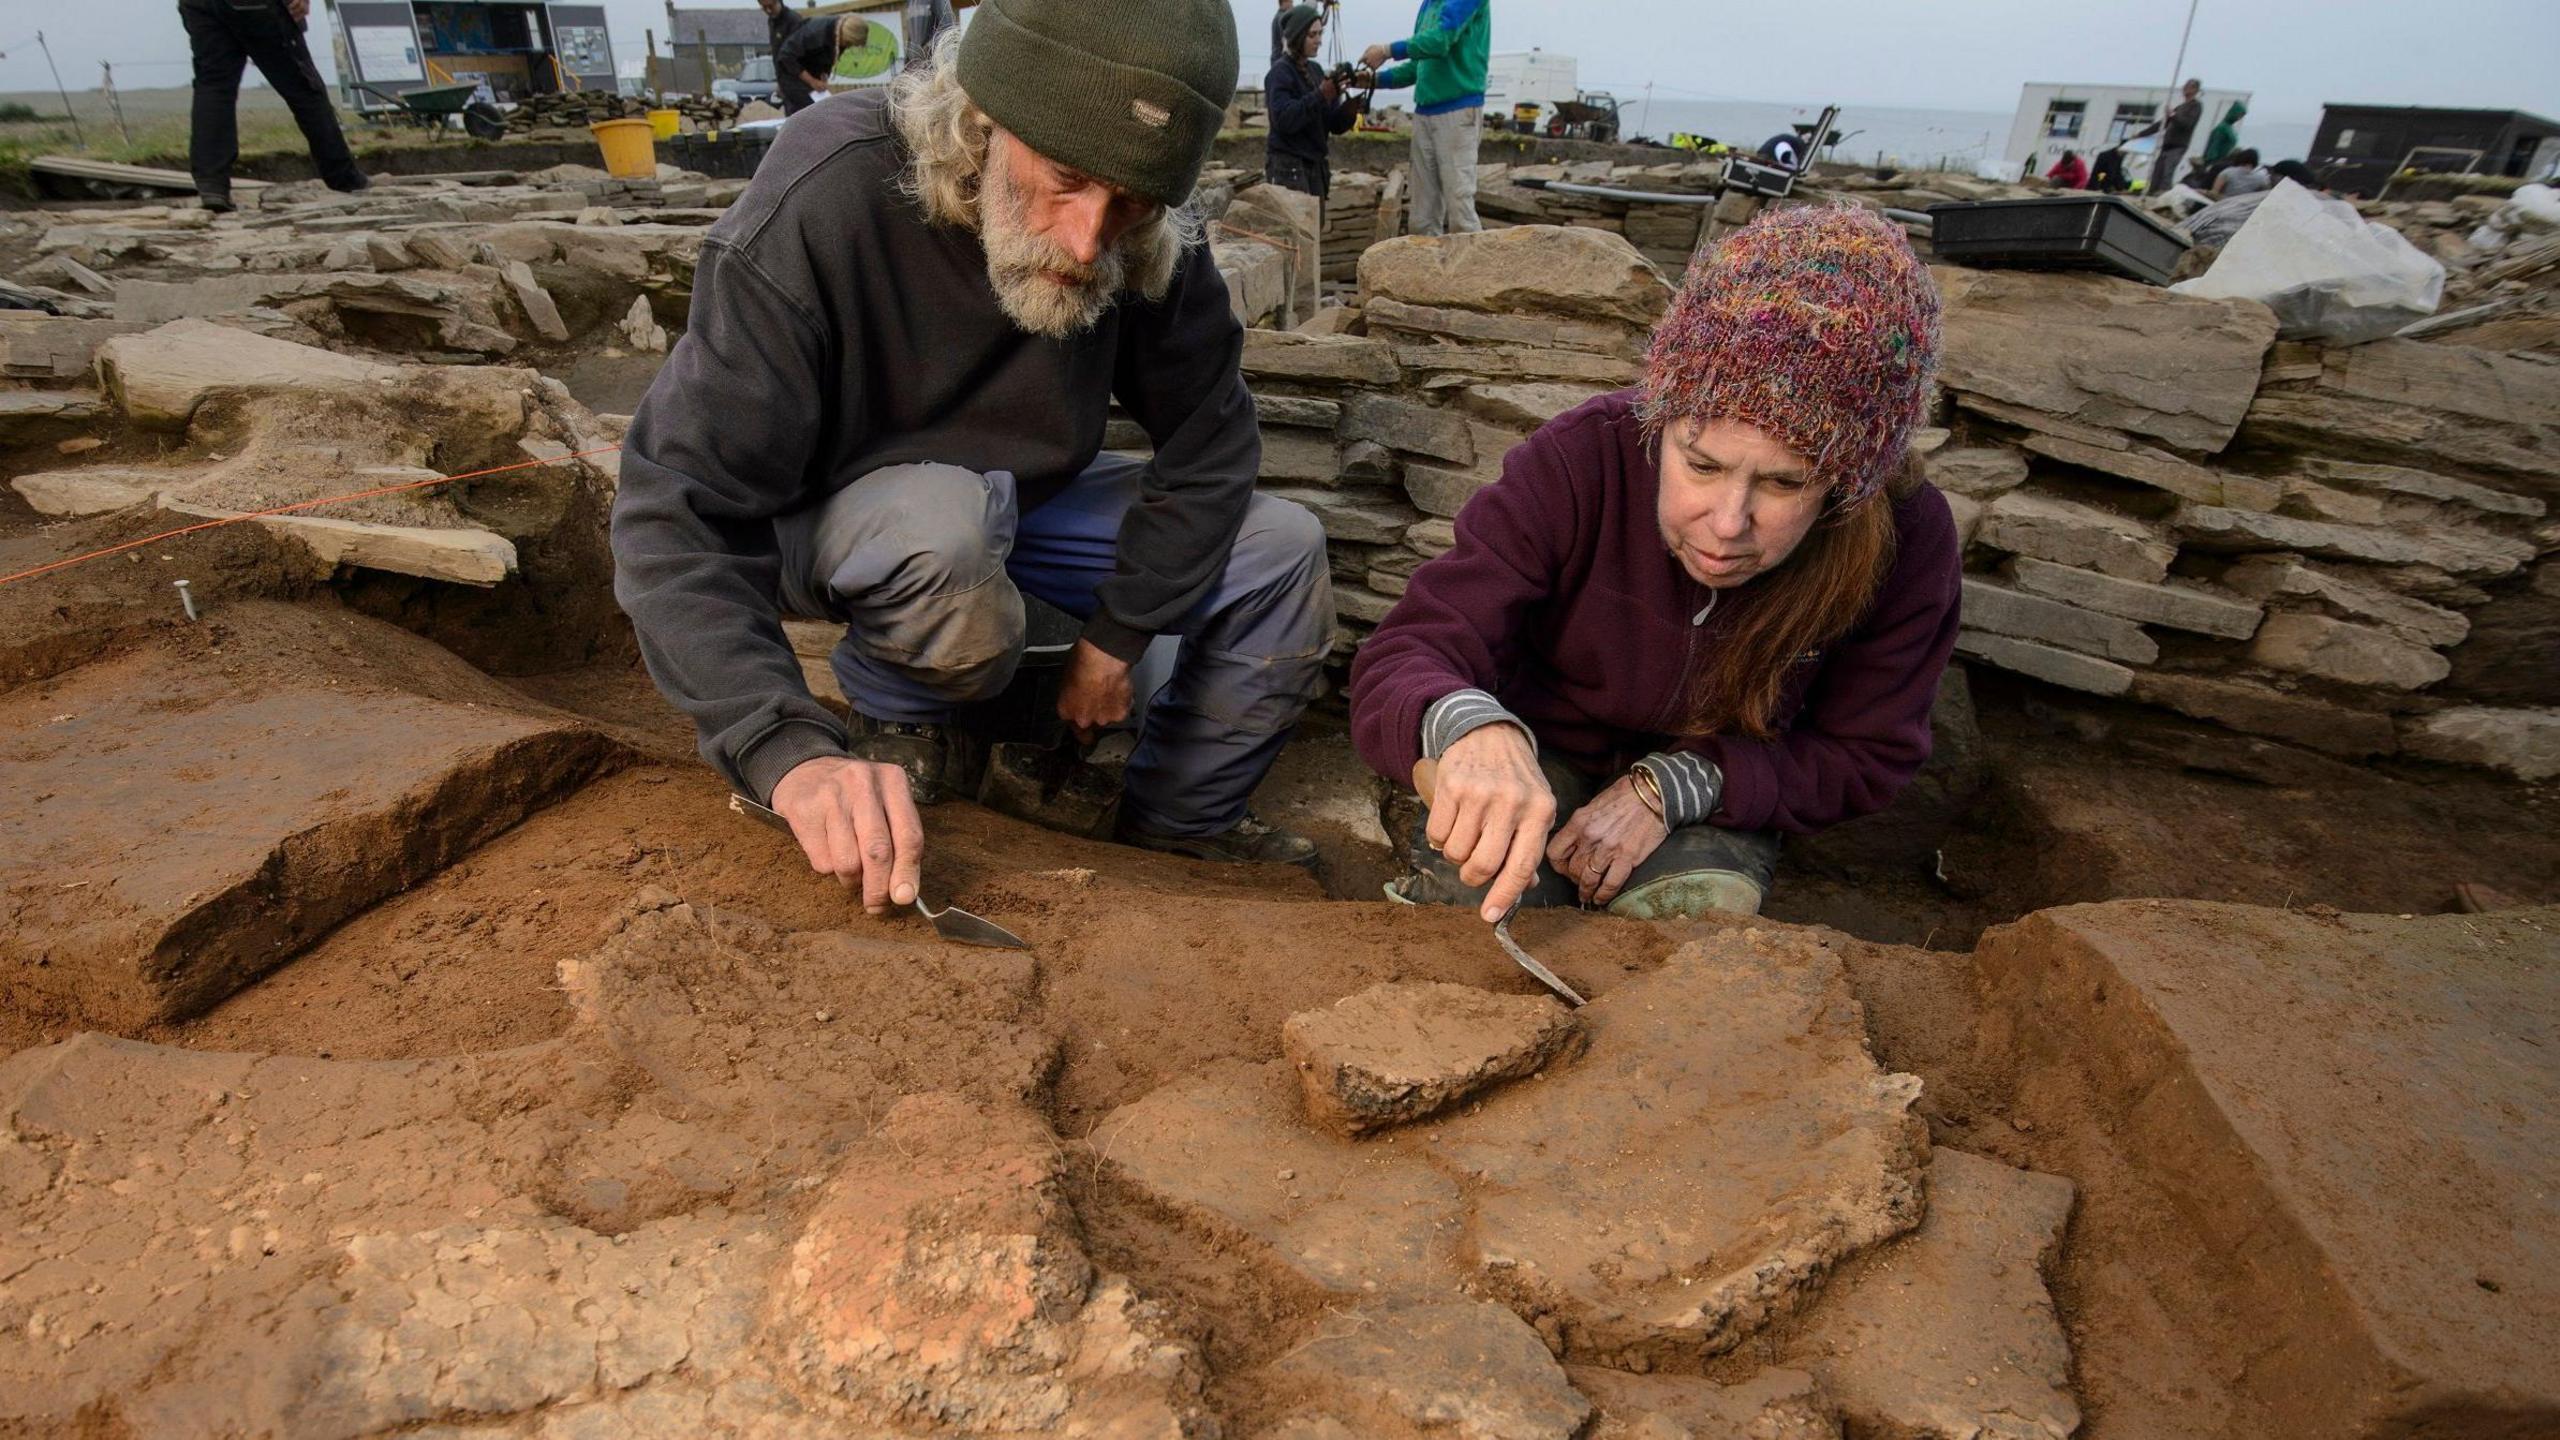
[834,332]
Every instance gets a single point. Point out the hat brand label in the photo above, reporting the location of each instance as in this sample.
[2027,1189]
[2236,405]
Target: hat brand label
[1154,117]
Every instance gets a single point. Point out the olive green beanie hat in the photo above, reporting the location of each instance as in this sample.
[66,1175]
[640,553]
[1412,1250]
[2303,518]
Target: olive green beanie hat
[1130,92]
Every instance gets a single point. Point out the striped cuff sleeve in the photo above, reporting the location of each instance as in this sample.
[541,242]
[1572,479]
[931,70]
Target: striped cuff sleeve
[1692,786]
[1459,711]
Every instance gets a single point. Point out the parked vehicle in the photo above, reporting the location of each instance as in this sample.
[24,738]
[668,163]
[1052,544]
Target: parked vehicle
[754,81]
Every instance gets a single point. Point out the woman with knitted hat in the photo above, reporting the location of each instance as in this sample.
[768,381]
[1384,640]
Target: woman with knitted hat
[1692,615]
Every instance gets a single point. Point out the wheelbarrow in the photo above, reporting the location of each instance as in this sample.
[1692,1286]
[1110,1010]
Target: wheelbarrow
[429,108]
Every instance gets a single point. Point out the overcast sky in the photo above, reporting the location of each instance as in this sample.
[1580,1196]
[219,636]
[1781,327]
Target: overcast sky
[1954,54]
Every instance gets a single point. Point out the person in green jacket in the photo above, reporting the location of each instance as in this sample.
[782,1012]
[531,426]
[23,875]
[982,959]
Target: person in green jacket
[2224,139]
[1444,62]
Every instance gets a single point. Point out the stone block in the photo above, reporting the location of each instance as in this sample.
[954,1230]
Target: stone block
[2269,577]
[2347,653]
[2003,611]
[2067,532]
[1719,1216]
[2472,554]
[2105,352]
[1300,457]
[1966,512]
[2179,605]
[1983,472]
[2311,500]
[2523,742]
[1363,605]
[1226,1154]
[1297,411]
[2356,1120]
[35,346]
[1366,462]
[1526,406]
[1433,537]
[1950,1330]
[539,308]
[1257,281]
[1397,1052]
[2028,418]
[1624,341]
[282,803]
[462,556]
[2067,668]
[1774,1404]
[1466,1369]
[159,377]
[1409,427]
[2161,471]
[1566,271]
[1438,491]
[1351,516]
[1295,355]
[2365,429]
[1518,362]
[2258,710]
[2426,485]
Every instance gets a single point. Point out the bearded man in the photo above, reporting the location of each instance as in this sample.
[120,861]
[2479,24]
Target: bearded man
[888,410]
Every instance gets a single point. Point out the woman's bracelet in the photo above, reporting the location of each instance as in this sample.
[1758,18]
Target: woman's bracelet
[1648,789]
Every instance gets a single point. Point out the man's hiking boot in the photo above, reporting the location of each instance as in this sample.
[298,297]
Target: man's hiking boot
[926,752]
[1250,842]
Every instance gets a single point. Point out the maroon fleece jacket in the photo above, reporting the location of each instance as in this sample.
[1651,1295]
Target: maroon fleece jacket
[1561,600]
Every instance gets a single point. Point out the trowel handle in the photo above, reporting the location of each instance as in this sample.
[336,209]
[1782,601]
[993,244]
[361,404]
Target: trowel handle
[1426,778]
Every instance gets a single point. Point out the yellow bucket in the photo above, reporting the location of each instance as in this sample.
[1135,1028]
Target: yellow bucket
[630,153]
[664,123]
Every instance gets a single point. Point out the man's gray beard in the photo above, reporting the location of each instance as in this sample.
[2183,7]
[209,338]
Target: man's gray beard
[1019,264]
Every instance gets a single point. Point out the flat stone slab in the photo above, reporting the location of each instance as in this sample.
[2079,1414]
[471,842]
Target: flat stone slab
[1467,1369]
[1228,1154]
[616,1227]
[1563,270]
[1651,1204]
[1949,1332]
[1725,1142]
[2105,353]
[2359,1115]
[1774,1404]
[180,822]
[1395,1053]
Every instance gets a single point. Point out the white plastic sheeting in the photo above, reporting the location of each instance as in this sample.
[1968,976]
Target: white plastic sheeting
[2326,272]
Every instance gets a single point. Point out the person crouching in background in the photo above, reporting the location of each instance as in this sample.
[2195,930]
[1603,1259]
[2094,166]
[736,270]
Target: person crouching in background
[1691,615]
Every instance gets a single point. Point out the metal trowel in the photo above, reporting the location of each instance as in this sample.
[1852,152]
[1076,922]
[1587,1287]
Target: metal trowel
[1426,775]
[950,922]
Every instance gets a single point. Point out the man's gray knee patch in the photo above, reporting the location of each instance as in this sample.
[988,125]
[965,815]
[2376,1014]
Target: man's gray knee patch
[909,531]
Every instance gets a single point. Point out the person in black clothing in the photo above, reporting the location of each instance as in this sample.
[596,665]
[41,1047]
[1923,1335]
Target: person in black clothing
[809,53]
[780,22]
[2106,172]
[1279,20]
[1306,107]
[224,36]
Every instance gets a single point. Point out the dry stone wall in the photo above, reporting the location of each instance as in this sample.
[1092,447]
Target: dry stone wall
[2159,500]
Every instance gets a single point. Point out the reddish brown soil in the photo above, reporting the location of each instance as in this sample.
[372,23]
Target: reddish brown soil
[1153,968]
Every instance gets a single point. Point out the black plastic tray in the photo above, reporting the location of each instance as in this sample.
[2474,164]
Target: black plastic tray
[728,155]
[2061,232]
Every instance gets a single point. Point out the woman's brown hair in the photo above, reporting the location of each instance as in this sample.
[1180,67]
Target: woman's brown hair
[1810,600]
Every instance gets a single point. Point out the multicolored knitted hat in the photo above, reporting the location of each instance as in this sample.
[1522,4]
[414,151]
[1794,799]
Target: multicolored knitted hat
[1818,326]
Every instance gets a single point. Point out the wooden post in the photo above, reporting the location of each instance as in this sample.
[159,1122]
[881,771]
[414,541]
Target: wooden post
[655,96]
